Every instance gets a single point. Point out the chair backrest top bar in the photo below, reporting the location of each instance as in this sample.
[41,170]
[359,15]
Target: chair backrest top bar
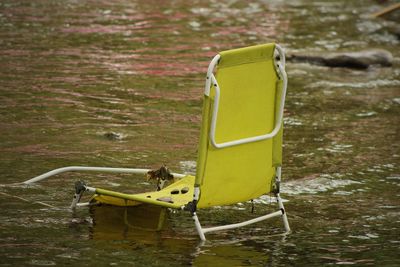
[246,55]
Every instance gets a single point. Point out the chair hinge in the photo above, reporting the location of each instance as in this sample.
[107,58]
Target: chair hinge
[191,206]
[80,187]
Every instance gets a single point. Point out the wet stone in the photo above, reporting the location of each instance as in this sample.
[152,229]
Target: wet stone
[355,60]
[113,136]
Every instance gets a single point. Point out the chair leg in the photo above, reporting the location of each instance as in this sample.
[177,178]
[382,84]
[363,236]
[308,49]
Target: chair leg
[198,226]
[284,216]
[280,212]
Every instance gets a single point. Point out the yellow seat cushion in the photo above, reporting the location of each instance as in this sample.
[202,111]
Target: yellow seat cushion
[174,196]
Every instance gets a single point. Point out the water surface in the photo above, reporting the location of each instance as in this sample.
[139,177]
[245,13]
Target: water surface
[73,71]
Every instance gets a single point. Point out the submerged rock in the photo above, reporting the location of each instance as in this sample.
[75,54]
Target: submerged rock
[113,136]
[355,60]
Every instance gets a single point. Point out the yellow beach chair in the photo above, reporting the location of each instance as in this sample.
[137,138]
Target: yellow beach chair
[240,150]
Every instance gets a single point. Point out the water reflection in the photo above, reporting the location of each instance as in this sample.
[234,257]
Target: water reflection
[148,225]
[142,223]
[231,255]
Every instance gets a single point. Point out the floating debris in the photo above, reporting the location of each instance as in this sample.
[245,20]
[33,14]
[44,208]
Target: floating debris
[366,114]
[161,176]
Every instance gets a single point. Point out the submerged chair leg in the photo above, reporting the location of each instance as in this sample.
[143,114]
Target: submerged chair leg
[202,231]
[284,216]
[79,190]
[192,207]
[278,198]
[198,226]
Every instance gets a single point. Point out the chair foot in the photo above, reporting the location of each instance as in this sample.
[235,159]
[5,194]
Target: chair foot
[198,226]
[284,216]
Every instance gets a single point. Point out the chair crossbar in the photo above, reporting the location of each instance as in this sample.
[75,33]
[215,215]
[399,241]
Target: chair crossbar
[241,224]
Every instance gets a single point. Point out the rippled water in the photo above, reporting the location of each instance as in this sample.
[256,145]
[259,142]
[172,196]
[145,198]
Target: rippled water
[119,84]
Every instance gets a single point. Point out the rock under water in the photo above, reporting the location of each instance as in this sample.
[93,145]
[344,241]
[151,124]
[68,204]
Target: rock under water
[356,60]
[113,136]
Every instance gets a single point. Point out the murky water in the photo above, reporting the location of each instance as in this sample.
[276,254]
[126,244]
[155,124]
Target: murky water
[73,71]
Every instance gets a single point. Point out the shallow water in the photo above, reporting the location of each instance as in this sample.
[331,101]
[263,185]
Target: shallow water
[74,71]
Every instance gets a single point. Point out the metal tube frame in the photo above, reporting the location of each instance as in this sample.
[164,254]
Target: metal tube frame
[211,80]
[91,169]
[280,65]
[200,230]
[77,196]
[281,212]
[280,68]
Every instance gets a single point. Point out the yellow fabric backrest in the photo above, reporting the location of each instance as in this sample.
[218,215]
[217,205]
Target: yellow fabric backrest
[249,92]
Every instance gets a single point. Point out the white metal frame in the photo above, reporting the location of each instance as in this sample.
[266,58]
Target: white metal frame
[200,230]
[211,79]
[280,65]
[75,201]
[281,212]
[91,169]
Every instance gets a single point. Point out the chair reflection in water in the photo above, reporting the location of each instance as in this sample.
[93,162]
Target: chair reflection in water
[240,149]
[142,222]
